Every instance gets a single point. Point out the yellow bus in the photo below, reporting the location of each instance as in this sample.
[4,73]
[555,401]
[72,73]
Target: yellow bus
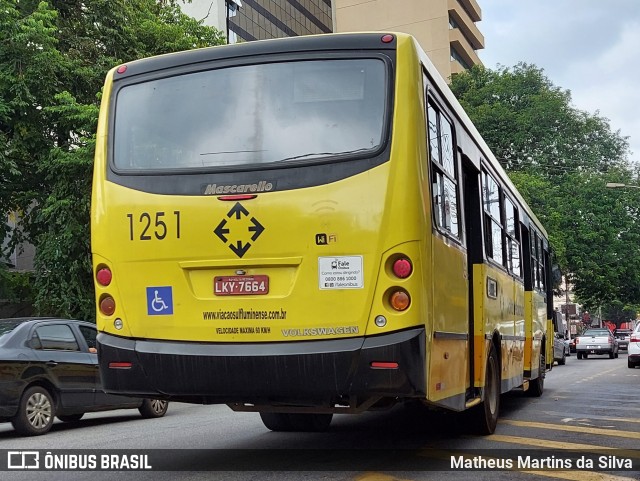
[308,226]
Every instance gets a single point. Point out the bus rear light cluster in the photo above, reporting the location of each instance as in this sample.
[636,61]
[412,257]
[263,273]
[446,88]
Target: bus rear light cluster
[104,276]
[402,267]
[635,338]
[107,305]
[399,299]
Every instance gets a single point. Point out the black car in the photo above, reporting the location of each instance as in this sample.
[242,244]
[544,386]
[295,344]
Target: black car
[49,368]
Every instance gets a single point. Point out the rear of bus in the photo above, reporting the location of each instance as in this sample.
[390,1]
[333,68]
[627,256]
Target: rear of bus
[256,234]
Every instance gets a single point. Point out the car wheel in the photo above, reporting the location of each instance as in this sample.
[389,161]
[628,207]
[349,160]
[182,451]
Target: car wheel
[35,412]
[579,355]
[71,418]
[153,408]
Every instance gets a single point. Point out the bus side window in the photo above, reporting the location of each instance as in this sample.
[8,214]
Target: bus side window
[444,172]
[494,238]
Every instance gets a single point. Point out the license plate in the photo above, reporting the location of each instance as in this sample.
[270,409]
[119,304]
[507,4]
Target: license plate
[592,347]
[240,285]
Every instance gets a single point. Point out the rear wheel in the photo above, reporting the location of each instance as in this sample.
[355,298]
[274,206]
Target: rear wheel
[153,408]
[276,421]
[536,387]
[35,413]
[300,422]
[484,417]
[631,365]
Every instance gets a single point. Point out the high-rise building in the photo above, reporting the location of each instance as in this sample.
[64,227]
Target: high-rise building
[446,29]
[246,20]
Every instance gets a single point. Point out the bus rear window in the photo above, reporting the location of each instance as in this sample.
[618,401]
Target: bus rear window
[252,115]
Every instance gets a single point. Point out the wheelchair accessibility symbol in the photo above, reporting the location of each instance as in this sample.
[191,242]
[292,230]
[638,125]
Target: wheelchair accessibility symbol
[159,301]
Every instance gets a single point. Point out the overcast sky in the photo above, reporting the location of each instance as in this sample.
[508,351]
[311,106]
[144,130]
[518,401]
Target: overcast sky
[590,47]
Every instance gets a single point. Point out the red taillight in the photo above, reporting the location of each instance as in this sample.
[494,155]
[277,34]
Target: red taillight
[387,38]
[384,365]
[634,339]
[104,276]
[107,305]
[120,365]
[402,268]
[576,342]
[399,300]
[122,69]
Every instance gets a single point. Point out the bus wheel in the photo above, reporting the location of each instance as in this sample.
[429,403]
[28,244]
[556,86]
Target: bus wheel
[536,387]
[302,422]
[484,417]
[276,421]
[306,422]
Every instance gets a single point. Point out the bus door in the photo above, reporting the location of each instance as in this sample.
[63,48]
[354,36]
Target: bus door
[475,250]
[449,362]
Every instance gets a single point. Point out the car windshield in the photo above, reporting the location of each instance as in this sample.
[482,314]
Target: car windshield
[597,332]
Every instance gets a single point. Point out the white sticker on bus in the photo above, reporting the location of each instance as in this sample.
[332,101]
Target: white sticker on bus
[340,272]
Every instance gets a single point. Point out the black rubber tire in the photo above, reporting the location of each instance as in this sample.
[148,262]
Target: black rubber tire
[71,418]
[277,422]
[153,408]
[484,417]
[35,412]
[631,365]
[310,423]
[536,387]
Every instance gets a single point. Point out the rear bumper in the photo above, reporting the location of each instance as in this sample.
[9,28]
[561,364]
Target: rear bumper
[597,350]
[308,373]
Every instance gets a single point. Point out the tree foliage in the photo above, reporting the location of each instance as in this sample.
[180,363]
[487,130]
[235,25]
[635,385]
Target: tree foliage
[53,60]
[560,159]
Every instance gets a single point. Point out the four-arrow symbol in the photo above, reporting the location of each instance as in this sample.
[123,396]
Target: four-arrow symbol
[239,248]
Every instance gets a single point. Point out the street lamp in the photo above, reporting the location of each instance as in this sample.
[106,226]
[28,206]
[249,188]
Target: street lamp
[617,185]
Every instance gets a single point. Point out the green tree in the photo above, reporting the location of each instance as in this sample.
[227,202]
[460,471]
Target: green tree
[560,159]
[53,60]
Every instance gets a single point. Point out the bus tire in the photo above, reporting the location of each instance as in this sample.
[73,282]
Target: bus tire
[310,423]
[276,421]
[296,422]
[536,387]
[484,417]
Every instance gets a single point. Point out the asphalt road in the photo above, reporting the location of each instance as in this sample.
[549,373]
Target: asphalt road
[588,405]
